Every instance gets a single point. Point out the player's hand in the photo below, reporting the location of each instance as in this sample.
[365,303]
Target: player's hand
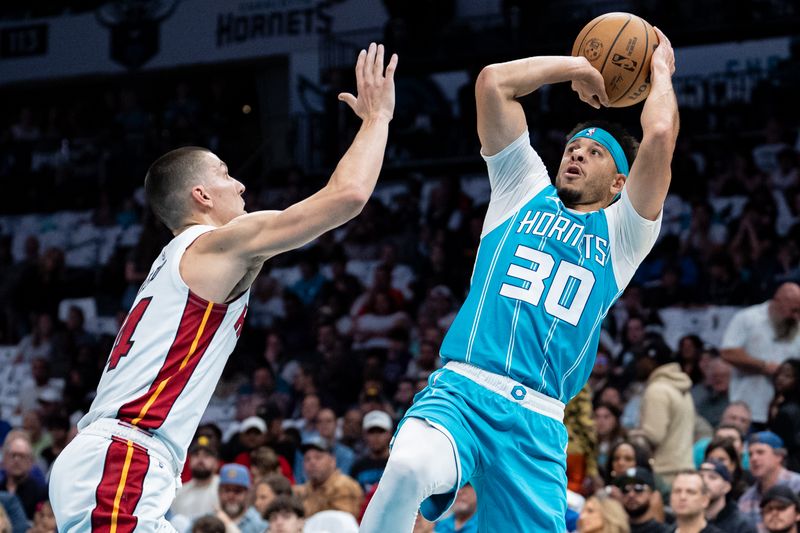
[590,86]
[664,56]
[375,87]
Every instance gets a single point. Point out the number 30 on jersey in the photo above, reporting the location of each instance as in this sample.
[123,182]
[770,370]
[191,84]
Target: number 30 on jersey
[568,293]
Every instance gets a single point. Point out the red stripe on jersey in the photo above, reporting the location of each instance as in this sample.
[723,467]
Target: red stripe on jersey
[120,487]
[199,323]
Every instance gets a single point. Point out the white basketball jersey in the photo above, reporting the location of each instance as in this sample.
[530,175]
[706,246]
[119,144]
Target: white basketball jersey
[169,353]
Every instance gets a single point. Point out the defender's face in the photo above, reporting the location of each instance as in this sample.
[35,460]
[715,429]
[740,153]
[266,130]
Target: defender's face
[225,191]
[586,174]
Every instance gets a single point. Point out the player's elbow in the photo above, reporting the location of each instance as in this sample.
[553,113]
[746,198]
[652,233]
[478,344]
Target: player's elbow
[488,82]
[352,201]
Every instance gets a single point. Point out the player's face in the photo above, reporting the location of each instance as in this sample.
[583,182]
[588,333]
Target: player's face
[587,174]
[285,522]
[225,191]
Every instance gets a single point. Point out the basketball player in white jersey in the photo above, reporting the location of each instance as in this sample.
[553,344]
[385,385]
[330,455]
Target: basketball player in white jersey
[121,472]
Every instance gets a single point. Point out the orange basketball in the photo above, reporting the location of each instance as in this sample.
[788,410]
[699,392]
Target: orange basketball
[620,46]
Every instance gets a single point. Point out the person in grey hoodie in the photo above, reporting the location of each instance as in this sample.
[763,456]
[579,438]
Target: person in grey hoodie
[667,414]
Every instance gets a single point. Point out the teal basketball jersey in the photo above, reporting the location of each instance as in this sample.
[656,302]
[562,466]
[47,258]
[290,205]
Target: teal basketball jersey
[544,278]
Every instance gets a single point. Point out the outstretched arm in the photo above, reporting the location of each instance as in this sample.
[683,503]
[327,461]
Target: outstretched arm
[234,249]
[501,119]
[650,175]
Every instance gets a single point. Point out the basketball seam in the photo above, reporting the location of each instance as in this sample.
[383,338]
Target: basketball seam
[641,65]
[580,46]
[610,48]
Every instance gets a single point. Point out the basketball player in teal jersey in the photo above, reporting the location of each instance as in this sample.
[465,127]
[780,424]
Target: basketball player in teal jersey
[551,262]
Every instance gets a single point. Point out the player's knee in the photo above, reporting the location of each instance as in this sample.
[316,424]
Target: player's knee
[406,470]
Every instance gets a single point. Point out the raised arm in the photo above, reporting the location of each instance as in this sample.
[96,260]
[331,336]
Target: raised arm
[229,252]
[650,175]
[500,116]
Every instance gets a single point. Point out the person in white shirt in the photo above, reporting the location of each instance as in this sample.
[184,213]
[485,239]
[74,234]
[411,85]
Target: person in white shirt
[200,495]
[758,339]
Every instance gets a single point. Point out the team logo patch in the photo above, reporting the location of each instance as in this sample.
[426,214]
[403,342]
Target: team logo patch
[518,392]
[590,131]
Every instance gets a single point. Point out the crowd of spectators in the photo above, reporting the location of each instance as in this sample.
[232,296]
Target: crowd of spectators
[696,431]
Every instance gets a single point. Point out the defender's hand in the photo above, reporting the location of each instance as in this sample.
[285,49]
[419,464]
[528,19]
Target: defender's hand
[590,86]
[375,98]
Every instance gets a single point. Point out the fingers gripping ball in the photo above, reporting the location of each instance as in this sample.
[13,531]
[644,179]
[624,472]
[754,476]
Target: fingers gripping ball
[620,46]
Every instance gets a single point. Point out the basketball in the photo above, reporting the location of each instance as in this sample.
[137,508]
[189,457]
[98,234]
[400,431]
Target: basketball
[620,46]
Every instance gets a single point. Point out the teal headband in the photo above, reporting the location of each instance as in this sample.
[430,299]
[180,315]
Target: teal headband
[609,142]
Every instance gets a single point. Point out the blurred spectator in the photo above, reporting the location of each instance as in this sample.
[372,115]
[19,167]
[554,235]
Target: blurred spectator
[265,462]
[326,426]
[200,495]
[667,412]
[40,439]
[780,508]
[757,340]
[368,469]
[784,416]
[308,287]
[15,476]
[5,523]
[44,521]
[379,316]
[285,515]
[250,436]
[267,489]
[352,432]
[14,512]
[582,445]
[208,524]
[38,344]
[711,395]
[326,488]
[689,500]
[40,383]
[722,450]
[58,427]
[722,512]
[766,459]
[602,514]
[464,508]
[637,491]
[234,495]
[609,430]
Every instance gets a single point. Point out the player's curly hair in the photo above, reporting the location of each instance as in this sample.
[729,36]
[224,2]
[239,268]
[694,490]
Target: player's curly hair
[629,144]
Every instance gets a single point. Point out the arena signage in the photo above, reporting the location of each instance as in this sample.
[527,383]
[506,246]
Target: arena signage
[155,34]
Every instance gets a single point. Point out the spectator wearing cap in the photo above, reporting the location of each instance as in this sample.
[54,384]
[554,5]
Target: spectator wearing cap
[667,416]
[285,515]
[368,469]
[16,475]
[327,487]
[689,499]
[766,464]
[464,508]
[721,511]
[200,495]
[637,487]
[780,508]
[234,496]
[757,340]
[251,435]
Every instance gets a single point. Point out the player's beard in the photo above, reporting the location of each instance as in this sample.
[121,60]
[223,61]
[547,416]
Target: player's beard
[570,197]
